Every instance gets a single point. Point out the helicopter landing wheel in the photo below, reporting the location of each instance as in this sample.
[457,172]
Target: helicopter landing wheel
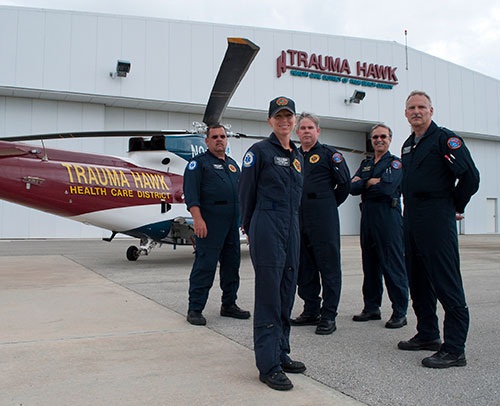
[132,253]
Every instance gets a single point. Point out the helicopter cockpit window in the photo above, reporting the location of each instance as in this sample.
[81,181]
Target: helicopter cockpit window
[157,143]
[136,144]
[186,146]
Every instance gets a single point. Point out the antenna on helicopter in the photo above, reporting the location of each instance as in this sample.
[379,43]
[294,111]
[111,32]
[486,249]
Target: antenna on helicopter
[45,156]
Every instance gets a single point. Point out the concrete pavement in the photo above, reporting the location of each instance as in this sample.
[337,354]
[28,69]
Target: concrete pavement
[81,325]
[71,337]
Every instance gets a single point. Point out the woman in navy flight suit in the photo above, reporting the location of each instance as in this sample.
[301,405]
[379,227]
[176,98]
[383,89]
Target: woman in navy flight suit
[270,189]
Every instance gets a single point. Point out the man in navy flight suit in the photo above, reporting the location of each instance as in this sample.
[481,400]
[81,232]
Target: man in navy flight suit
[270,189]
[211,195]
[326,187]
[439,179]
[378,181]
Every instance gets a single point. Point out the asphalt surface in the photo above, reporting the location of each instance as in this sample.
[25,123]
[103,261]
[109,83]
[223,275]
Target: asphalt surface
[81,325]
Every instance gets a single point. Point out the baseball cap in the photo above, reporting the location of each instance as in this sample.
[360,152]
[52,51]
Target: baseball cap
[281,103]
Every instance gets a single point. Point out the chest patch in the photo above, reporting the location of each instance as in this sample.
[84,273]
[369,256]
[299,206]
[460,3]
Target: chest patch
[281,161]
[406,150]
[314,158]
[454,143]
[232,168]
[218,166]
[366,168]
[296,165]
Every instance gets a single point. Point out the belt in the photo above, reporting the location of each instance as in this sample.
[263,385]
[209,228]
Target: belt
[216,202]
[384,199]
[431,195]
[315,195]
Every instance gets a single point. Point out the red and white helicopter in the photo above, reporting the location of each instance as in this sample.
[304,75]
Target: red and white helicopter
[141,195]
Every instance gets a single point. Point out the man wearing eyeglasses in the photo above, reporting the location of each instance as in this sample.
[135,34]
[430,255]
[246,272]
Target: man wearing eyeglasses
[378,181]
[211,196]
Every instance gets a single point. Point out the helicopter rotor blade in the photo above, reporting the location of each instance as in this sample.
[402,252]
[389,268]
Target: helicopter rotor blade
[260,137]
[239,55]
[95,134]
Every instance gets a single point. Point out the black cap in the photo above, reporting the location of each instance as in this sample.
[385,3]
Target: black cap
[281,103]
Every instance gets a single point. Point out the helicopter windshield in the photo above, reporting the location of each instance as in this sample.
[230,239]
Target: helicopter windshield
[186,146]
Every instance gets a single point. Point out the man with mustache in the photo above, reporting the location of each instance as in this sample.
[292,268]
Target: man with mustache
[378,181]
[439,179]
[211,196]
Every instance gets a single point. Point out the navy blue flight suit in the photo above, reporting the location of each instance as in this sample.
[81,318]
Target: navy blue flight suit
[212,184]
[270,189]
[431,198]
[326,187]
[381,233]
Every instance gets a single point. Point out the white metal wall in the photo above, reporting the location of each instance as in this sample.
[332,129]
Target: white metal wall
[54,77]
[477,216]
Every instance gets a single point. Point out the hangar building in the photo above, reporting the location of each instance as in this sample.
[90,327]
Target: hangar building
[58,74]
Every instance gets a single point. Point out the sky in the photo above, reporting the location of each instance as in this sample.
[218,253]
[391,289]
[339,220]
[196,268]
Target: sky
[464,32]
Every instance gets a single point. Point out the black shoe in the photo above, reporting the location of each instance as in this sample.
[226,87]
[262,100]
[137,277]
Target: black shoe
[278,381]
[366,315]
[294,367]
[416,344]
[196,318]
[396,322]
[234,311]
[305,320]
[326,327]
[443,359]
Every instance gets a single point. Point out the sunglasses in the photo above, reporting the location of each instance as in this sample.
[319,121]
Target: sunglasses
[382,136]
[215,136]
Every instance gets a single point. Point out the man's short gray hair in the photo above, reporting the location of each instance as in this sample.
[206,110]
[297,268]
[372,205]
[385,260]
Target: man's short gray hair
[419,93]
[314,118]
[383,126]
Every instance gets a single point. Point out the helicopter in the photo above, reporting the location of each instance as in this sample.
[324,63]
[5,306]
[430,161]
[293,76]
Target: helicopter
[141,195]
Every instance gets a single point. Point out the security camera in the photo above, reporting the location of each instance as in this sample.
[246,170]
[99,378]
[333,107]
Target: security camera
[356,97]
[122,68]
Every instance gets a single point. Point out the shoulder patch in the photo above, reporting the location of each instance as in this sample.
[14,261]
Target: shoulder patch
[248,159]
[454,143]
[396,164]
[337,157]
[192,165]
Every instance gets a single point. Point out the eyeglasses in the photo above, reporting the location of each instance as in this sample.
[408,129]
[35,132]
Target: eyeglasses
[383,136]
[215,136]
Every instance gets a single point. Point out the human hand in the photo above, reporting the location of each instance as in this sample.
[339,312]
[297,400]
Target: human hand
[200,228]
[372,182]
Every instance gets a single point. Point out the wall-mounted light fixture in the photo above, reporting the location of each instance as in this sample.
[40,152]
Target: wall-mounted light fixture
[356,97]
[122,69]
